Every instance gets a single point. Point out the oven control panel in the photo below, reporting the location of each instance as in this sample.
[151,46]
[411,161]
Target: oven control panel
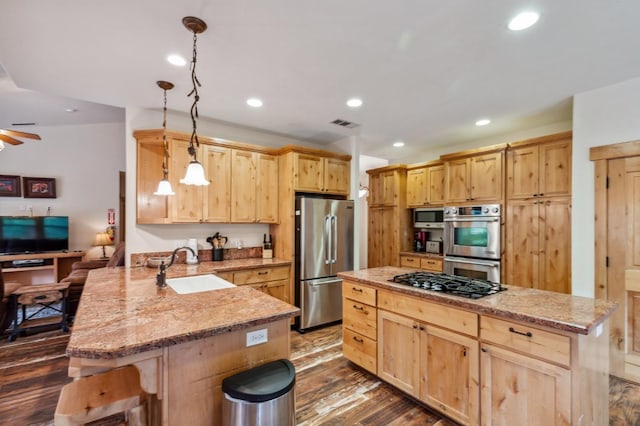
[487,210]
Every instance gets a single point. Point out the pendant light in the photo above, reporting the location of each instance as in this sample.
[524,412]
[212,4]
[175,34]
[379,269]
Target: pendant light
[164,187]
[195,171]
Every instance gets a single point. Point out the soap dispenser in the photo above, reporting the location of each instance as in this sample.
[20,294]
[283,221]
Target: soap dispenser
[193,245]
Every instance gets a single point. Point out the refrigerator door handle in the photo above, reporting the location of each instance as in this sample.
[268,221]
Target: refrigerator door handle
[327,237]
[334,239]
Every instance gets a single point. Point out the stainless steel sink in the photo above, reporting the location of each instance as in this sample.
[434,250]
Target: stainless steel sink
[198,283]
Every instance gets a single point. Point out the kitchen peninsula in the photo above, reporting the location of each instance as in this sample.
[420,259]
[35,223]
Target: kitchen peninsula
[521,356]
[182,344]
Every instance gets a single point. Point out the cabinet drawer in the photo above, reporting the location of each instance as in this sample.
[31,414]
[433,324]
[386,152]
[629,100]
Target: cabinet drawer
[430,312]
[225,276]
[434,265]
[410,261]
[359,317]
[524,338]
[252,276]
[360,350]
[359,292]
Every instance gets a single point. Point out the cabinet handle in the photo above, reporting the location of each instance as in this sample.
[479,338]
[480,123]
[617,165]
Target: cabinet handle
[361,308]
[541,194]
[263,273]
[415,326]
[409,260]
[535,195]
[359,290]
[421,328]
[464,352]
[358,339]
[513,330]
[484,349]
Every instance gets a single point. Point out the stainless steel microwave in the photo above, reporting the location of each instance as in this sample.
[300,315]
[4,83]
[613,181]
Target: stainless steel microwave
[428,217]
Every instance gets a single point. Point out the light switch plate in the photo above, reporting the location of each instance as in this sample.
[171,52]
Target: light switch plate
[257,337]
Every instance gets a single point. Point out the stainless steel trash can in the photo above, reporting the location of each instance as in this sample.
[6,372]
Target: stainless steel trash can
[260,396]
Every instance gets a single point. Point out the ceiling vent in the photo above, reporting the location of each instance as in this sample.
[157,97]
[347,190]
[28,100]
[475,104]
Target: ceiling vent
[344,123]
[23,124]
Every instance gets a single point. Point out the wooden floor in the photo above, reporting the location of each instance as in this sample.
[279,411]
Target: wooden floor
[329,389]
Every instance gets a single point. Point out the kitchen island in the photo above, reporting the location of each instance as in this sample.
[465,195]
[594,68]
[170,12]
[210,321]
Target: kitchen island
[521,356]
[182,344]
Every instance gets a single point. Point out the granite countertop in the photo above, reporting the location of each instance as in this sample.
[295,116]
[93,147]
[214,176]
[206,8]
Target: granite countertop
[557,310]
[122,312]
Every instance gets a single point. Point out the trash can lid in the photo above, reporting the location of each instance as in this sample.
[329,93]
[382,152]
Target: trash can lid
[262,383]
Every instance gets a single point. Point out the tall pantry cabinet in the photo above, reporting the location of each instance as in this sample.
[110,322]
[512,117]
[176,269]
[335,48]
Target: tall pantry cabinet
[538,214]
[388,230]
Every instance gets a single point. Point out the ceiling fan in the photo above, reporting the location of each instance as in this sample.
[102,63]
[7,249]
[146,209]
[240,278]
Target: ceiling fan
[9,136]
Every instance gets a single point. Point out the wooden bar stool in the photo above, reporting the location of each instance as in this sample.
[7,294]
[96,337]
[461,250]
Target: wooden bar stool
[102,395]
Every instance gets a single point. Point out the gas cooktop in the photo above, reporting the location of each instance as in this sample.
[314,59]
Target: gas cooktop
[453,284]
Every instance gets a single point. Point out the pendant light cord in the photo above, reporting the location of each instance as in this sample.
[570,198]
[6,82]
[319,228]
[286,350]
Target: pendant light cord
[196,98]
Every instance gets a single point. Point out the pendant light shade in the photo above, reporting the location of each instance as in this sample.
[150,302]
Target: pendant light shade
[164,188]
[195,175]
[195,171]
[1,145]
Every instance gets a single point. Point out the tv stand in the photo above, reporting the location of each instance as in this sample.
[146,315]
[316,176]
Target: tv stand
[39,268]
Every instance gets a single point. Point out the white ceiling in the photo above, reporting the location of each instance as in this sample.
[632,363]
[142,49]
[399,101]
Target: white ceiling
[425,69]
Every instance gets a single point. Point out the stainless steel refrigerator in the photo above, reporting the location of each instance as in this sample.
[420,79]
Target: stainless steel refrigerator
[324,247]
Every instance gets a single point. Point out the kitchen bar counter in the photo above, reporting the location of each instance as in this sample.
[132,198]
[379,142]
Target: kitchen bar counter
[123,311]
[556,310]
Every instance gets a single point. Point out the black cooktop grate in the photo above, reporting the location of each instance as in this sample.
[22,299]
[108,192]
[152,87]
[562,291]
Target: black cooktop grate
[453,284]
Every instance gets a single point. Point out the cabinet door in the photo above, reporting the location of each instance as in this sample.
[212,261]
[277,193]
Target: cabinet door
[275,289]
[150,208]
[336,176]
[217,165]
[389,242]
[522,248]
[435,185]
[555,245]
[243,186]
[186,204]
[409,261]
[417,187]
[399,351]
[522,172]
[374,244]
[555,169]
[457,180]
[486,177]
[389,182]
[450,374]
[267,189]
[432,265]
[308,172]
[516,389]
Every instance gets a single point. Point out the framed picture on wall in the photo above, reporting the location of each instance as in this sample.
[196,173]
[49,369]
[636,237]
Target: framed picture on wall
[35,187]
[9,186]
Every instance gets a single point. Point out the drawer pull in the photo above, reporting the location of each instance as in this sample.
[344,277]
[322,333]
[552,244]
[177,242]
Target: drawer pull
[263,273]
[484,350]
[415,326]
[359,290]
[409,260]
[528,333]
[361,308]
[358,339]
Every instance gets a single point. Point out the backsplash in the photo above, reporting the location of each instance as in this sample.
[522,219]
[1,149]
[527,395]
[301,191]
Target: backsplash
[204,255]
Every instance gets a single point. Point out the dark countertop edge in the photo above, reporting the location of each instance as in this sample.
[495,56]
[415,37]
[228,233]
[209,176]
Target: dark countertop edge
[187,337]
[464,303]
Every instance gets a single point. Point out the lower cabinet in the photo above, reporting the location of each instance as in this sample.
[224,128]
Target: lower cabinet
[359,321]
[420,262]
[518,389]
[273,280]
[436,366]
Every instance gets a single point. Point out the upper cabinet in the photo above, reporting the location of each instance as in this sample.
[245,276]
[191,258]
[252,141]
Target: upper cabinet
[540,167]
[243,181]
[476,175]
[425,184]
[316,173]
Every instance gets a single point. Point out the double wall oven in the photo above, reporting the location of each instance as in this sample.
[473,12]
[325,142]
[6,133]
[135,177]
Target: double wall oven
[472,241]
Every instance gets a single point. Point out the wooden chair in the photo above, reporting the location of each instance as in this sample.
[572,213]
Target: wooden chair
[96,397]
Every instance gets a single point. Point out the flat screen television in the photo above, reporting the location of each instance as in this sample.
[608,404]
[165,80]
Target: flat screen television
[33,234]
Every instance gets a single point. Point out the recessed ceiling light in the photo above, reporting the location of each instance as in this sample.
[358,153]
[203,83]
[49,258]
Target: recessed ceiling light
[398,144]
[71,110]
[254,102]
[354,102]
[523,20]
[176,60]
[483,122]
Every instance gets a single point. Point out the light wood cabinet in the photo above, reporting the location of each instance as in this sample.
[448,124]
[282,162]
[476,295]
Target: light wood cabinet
[475,176]
[359,319]
[254,187]
[55,267]
[273,280]
[389,219]
[538,244]
[420,262]
[425,184]
[539,167]
[313,173]
[437,366]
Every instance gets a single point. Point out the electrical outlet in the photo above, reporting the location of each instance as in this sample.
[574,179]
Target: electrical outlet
[257,337]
